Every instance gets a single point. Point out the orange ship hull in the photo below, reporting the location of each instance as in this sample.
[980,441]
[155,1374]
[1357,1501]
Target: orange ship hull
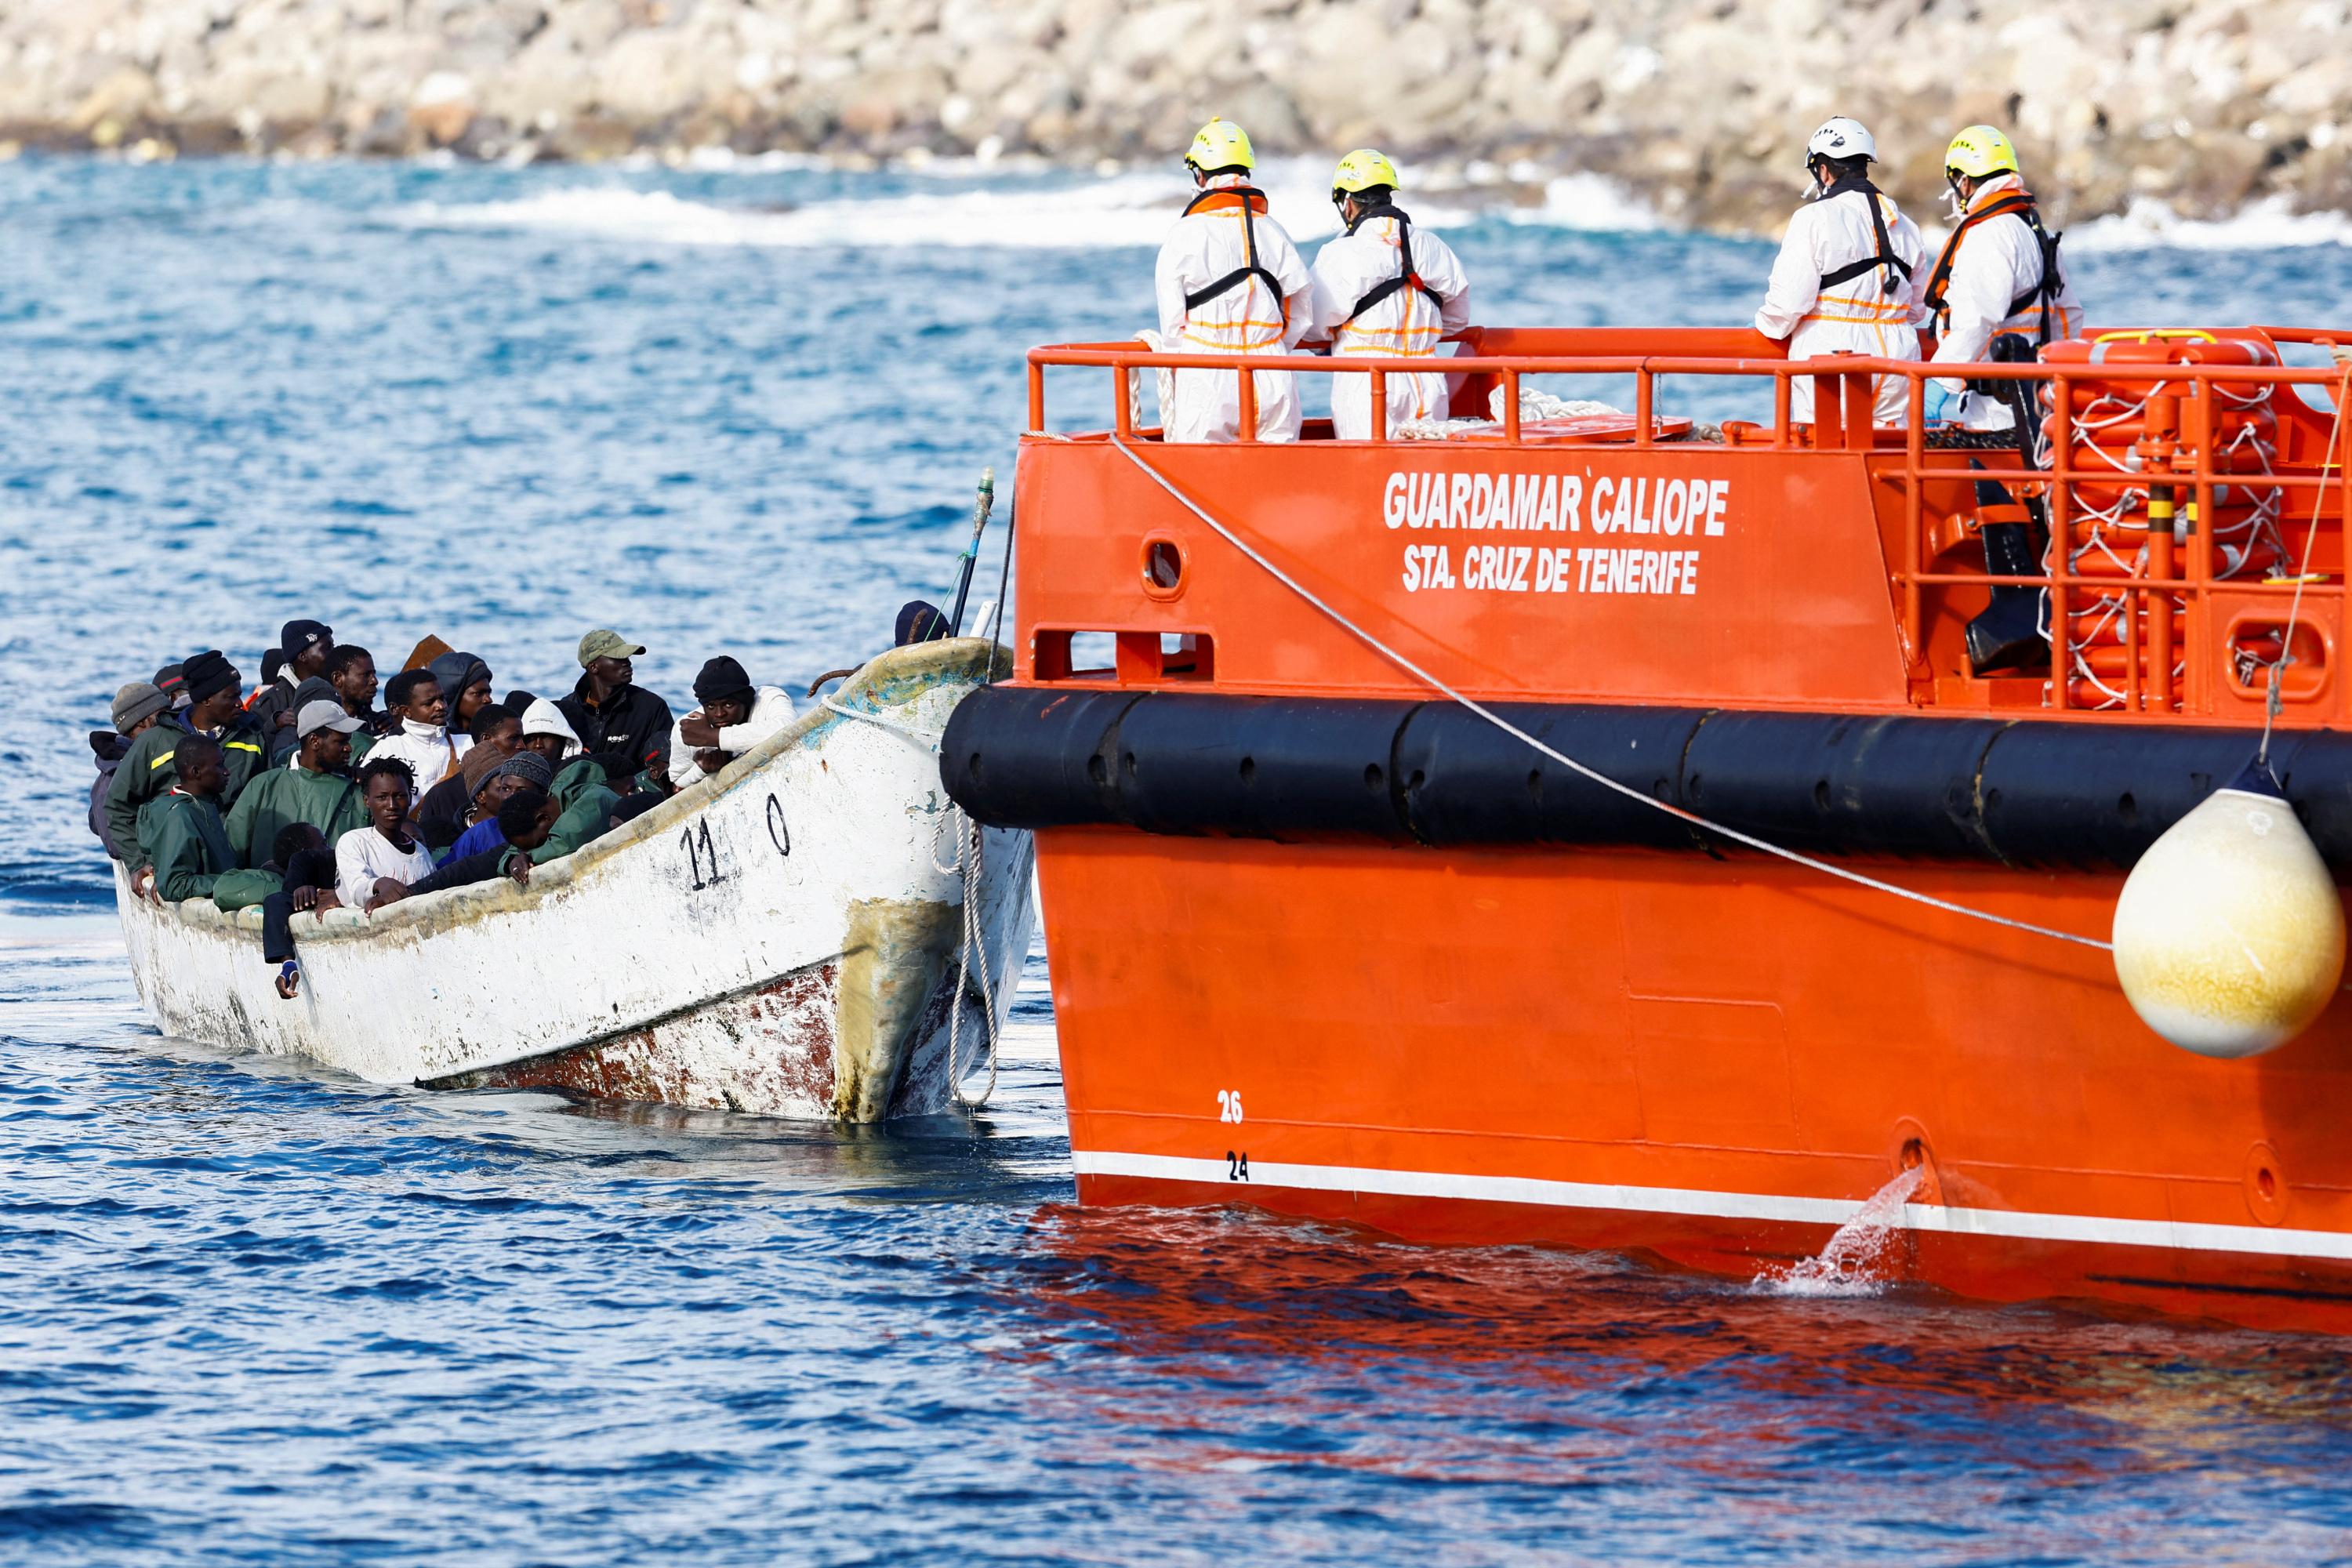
[1710,1063]
[1321,943]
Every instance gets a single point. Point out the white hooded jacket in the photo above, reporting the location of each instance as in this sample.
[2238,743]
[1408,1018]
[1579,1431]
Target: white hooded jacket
[1405,325]
[1855,317]
[1207,244]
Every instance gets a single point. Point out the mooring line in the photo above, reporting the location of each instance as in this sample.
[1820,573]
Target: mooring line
[1499,722]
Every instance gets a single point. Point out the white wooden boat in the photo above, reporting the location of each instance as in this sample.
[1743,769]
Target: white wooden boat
[781,938]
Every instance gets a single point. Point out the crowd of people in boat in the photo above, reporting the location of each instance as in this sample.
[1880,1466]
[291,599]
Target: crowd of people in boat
[303,794]
[1852,278]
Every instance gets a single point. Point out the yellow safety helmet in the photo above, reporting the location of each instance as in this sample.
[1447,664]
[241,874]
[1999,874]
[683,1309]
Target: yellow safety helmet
[1361,171]
[1220,144]
[1978,151]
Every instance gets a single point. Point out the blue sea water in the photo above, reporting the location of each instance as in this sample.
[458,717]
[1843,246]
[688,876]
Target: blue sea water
[255,1312]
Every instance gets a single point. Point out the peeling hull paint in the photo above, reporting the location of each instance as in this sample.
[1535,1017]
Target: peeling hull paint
[778,927]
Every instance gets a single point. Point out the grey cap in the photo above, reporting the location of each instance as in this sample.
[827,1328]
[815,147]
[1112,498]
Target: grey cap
[136,701]
[605,643]
[528,766]
[322,715]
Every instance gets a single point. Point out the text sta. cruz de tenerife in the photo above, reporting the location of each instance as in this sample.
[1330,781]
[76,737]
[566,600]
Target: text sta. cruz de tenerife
[1555,503]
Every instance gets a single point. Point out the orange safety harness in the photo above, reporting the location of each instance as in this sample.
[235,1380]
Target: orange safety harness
[2043,295]
[1252,202]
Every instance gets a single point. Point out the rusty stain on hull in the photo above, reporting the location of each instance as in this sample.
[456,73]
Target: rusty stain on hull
[898,953]
[780,1034]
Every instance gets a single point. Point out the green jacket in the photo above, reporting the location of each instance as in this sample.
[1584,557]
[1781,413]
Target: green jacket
[586,818]
[182,838]
[576,778]
[147,770]
[329,802]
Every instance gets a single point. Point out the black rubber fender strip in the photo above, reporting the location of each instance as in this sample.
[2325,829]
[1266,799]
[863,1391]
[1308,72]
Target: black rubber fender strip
[2019,792]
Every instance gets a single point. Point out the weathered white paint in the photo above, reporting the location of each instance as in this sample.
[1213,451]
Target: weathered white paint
[822,951]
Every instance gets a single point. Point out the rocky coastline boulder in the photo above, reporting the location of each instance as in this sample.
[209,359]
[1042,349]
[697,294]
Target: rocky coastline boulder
[1699,106]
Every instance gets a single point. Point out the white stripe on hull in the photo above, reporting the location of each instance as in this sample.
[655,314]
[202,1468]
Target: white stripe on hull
[2176,1236]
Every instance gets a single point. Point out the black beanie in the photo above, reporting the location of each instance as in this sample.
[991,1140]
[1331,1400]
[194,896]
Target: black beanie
[206,673]
[721,678]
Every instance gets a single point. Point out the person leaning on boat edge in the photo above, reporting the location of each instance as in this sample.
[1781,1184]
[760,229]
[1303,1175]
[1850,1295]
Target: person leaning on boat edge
[1849,274]
[1229,281]
[734,717]
[610,712]
[1387,288]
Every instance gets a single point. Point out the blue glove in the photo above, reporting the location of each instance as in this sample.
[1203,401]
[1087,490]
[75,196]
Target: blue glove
[1939,402]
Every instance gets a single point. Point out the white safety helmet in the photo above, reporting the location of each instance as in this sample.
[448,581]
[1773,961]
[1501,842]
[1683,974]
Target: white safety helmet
[1840,137]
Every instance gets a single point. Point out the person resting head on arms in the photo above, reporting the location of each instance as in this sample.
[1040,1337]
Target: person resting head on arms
[523,772]
[735,716]
[381,857]
[444,810]
[416,736]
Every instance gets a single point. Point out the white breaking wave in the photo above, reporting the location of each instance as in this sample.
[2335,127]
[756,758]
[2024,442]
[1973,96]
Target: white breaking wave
[1586,202]
[1132,209]
[2268,225]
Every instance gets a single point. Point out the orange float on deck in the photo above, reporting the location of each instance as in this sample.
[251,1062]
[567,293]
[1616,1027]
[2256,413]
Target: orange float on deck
[1324,940]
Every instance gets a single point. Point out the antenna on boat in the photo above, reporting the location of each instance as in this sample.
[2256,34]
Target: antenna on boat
[979,510]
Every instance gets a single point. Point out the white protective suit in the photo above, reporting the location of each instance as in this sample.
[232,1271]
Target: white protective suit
[771,710]
[1405,325]
[1855,317]
[1207,244]
[1998,259]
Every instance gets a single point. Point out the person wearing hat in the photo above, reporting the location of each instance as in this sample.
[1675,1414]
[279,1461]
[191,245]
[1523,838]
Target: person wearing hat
[609,712]
[315,790]
[174,684]
[1384,290]
[466,682]
[442,812]
[578,773]
[524,772]
[735,716]
[302,651]
[137,707]
[147,769]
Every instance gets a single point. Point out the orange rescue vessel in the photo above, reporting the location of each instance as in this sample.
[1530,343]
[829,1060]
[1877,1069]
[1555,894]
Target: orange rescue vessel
[1326,939]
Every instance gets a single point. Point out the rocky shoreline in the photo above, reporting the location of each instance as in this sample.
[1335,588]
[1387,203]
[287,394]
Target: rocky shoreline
[1699,107]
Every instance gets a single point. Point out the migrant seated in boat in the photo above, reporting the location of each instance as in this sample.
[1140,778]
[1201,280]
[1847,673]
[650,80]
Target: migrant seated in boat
[735,716]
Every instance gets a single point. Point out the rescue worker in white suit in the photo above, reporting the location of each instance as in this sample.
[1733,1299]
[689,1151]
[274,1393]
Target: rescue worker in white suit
[1846,279]
[1999,273]
[1996,295]
[1229,281]
[1385,289]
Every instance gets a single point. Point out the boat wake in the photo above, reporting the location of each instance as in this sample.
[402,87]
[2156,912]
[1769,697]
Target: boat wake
[1849,1264]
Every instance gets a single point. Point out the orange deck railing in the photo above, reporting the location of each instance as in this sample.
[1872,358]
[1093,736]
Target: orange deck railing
[2164,603]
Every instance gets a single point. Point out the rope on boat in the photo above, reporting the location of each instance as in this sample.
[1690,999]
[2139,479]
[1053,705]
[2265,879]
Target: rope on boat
[2303,570]
[967,865]
[1498,722]
[879,723]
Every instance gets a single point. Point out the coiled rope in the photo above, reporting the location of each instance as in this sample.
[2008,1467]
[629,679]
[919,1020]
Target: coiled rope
[1498,722]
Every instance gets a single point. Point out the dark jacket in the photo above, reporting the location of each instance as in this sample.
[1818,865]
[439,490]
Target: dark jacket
[632,722]
[440,813]
[112,748]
